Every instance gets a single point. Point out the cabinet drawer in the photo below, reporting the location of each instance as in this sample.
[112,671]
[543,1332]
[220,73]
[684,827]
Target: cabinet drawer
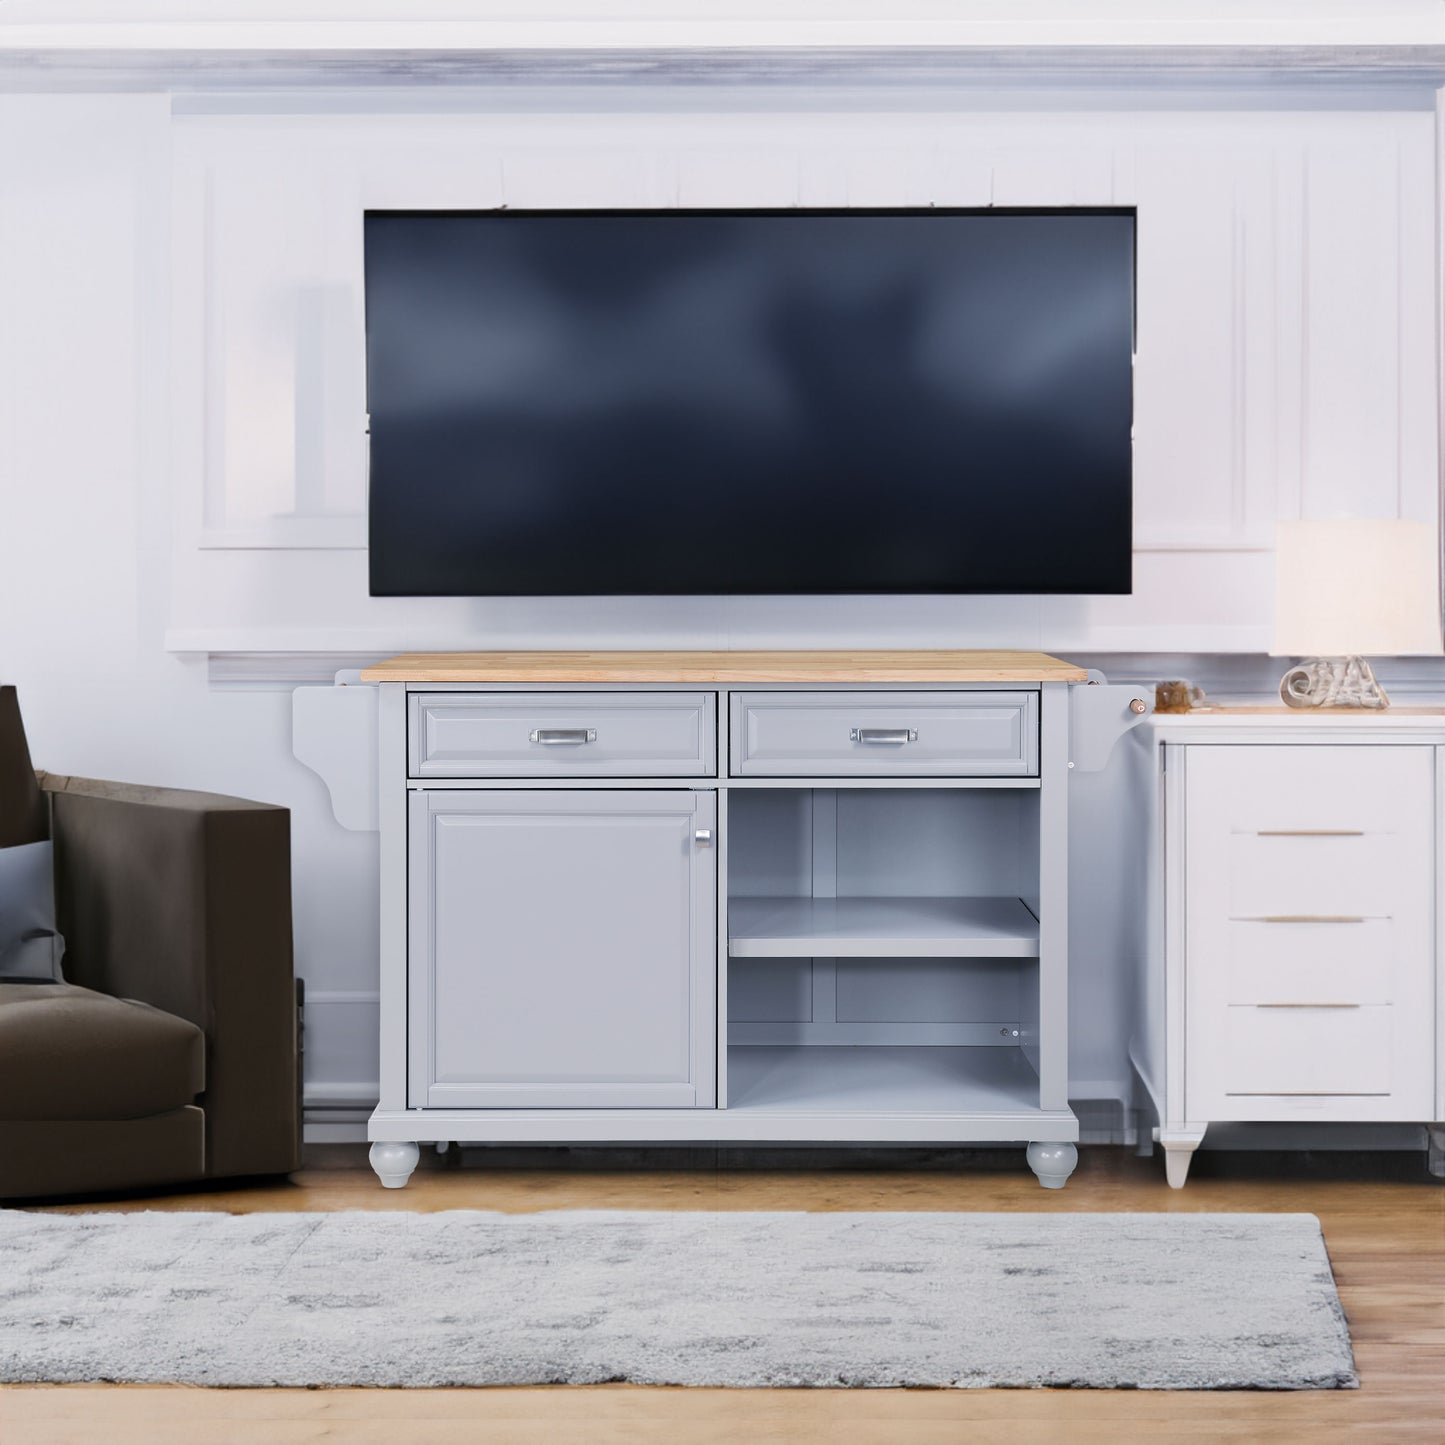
[1303,876]
[868,734]
[1312,791]
[555,735]
[1306,960]
[1301,1051]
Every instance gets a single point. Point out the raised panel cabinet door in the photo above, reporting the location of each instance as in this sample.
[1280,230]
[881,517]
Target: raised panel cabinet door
[1309,932]
[561,949]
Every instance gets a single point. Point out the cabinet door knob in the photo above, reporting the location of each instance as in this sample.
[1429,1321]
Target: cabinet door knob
[703,837]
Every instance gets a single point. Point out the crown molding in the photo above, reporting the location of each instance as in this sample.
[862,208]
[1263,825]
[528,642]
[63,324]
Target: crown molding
[490,65]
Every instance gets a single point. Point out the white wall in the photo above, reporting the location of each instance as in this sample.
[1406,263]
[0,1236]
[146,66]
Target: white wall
[85,526]
[1286,363]
[181,459]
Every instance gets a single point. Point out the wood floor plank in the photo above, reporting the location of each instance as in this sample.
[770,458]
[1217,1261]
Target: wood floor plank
[1386,1240]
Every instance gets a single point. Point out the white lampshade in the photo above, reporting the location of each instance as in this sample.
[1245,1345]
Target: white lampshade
[1357,588]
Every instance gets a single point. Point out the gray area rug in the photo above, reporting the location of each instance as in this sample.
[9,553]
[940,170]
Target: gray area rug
[1155,1301]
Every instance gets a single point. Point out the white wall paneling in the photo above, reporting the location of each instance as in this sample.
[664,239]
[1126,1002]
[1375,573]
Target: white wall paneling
[268,271]
[182,465]
[341,1033]
[153,38]
[1284,365]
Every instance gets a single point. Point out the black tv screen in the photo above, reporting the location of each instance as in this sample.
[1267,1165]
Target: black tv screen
[792,401]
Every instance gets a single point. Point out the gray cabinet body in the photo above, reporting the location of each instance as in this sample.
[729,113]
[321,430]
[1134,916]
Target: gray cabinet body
[561,949]
[558,869]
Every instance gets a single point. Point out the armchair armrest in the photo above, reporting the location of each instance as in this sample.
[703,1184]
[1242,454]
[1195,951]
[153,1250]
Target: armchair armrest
[183,900]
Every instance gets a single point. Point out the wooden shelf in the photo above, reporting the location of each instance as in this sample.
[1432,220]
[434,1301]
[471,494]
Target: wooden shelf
[879,1079]
[881,928]
[725,667]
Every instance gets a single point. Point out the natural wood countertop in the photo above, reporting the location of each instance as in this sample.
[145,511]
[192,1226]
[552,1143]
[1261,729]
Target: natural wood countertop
[729,667]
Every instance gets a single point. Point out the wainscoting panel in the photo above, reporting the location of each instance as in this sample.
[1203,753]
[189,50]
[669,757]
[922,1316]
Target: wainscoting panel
[341,1063]
[1286,358]
[280,364]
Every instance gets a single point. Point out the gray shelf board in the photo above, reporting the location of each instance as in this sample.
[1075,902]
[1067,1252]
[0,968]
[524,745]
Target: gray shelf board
[881,928]
[879,1079]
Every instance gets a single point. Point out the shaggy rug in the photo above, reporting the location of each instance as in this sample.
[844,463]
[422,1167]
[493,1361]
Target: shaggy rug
[1154,1301]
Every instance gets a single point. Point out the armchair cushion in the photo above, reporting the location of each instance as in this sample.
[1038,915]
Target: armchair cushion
[70,1053]
[30,948]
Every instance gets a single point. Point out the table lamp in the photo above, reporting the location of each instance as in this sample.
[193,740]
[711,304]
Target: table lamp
[1350,587]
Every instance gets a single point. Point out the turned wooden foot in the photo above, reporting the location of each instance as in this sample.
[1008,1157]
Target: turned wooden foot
[1052,1163]
[393,1163]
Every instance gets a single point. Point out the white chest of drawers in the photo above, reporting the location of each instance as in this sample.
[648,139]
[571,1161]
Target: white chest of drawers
[1293,971]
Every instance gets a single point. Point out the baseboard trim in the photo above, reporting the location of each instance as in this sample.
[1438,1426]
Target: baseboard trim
[334,1131]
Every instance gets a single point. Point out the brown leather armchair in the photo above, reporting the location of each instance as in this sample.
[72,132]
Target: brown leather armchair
[170,1054]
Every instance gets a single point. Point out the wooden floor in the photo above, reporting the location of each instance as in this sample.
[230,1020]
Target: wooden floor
[1384,1222]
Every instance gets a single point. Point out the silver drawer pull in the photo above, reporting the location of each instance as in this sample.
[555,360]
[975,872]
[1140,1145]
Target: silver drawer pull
[1304,918]
[1310,833]
[893,736]
[562,737]
[703,837]
[1307,1005]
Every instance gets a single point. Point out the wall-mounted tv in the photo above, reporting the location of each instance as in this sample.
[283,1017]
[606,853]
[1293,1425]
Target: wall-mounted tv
[789,401]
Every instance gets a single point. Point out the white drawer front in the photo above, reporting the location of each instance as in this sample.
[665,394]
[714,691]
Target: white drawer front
[875,734]
[1309,882]
[1310,962]
[554,735]
[1305,790]
[1301,1051]
[1310,1063]
[1301,875]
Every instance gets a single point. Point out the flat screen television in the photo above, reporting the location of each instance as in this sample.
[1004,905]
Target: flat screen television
[788,401]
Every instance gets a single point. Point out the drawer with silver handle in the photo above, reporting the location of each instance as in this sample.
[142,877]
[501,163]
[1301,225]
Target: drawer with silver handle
[555,735]
[877,734]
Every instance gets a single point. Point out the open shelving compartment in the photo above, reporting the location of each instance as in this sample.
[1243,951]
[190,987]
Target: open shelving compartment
[883,950]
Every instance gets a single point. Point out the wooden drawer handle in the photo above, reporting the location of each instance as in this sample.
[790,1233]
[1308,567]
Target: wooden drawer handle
[1307,1005]
[1302,918]
[1310,833]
